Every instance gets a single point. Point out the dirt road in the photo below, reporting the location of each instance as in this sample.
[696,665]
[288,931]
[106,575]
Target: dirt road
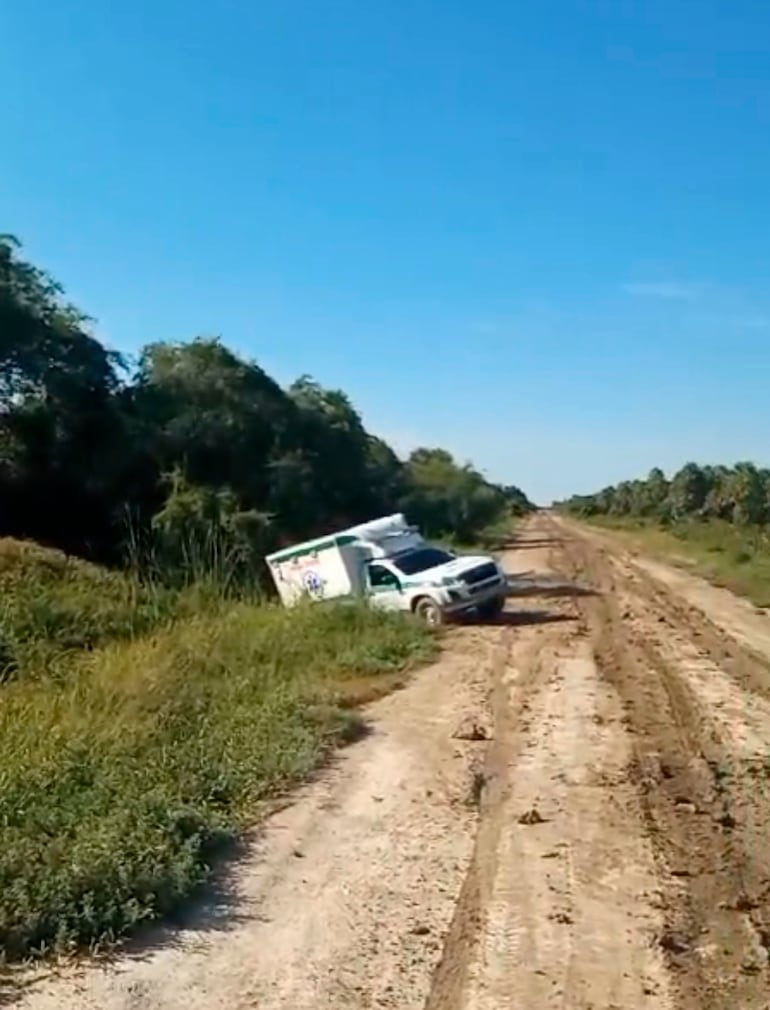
[571,809]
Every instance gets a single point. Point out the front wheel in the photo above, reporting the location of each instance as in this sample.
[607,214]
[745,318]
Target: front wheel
[491,609]
[429,611]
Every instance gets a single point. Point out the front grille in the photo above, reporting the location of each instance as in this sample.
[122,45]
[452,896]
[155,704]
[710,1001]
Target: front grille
[485,571]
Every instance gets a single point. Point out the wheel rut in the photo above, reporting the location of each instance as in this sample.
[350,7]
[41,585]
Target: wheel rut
[696,707]
[603,847]
[568,904]
[622,857]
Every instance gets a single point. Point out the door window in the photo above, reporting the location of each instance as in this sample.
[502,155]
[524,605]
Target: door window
[382,578]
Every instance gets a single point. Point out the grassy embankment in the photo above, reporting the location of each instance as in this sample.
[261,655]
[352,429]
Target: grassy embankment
[141,730]
[735,557]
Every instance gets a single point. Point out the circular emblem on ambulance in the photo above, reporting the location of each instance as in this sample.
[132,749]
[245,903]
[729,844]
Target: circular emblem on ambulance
[313,583]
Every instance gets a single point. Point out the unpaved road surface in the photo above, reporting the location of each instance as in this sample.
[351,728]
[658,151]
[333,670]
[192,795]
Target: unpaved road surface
[571,809]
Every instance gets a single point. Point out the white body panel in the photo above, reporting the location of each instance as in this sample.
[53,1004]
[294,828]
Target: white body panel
[322,574]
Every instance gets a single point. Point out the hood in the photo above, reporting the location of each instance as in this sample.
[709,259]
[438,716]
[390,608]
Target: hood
[452,569]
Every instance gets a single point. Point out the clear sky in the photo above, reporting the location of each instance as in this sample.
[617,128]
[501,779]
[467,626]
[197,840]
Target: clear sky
[536,233]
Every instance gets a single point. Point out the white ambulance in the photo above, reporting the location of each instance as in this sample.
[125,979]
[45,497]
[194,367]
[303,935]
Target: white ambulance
[388,562]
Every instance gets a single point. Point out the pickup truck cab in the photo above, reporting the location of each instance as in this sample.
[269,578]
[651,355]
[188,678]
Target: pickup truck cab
[435,584]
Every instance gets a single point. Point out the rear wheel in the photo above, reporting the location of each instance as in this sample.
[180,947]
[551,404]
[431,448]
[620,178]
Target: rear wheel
[429,611]
[491,608]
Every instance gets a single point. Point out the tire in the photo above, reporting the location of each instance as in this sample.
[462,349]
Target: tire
[429,611]
[491,609]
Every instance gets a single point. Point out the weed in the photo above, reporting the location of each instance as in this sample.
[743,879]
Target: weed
[52,605]
[121,781]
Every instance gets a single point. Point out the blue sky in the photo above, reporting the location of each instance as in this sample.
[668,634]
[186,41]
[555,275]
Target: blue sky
[535,233]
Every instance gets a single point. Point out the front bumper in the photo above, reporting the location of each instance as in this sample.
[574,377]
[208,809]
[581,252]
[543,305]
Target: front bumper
[475,596]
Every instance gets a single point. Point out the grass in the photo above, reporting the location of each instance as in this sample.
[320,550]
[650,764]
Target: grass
[734,557]
[121,781]
[52,604]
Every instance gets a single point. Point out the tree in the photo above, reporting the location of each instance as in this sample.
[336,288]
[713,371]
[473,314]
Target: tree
[518,503]
[443,497]
[688,491]
[196,437]
[654,493]
[746,489]
[58,417]
[222,416]
[738,494]
[338,449]
[203,532]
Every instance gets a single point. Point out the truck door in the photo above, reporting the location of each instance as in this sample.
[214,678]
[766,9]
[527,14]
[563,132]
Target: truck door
[384,587]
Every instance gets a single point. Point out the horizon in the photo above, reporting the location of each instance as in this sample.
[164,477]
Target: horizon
[537,241]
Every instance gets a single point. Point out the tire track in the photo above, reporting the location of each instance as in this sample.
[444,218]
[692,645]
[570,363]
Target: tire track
[705,791]
[568,905]
[512,686]
[620,856]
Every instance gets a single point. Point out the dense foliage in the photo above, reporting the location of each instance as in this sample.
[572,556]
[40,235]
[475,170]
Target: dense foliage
[737,494]
[193,439]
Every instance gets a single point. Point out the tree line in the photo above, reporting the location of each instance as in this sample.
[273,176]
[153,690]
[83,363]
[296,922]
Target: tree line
[737,494]
[98,456]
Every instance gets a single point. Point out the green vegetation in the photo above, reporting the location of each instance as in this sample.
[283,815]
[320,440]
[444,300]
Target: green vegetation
[739,494]
[152,701]
[142,725]
[51,604]
[716,519]
[733,557]
[120,781]
[94,454]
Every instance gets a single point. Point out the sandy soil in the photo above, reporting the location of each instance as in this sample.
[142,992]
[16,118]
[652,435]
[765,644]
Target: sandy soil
[604,845]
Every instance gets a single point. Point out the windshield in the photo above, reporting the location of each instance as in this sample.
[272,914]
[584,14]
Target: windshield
[421,559]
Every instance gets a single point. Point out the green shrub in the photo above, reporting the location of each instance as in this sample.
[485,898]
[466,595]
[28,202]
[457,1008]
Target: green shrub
[119,783]
[52,604]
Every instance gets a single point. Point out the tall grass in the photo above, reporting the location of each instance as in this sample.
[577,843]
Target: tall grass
[731,556]
[52,605]
[204,556]
[119,783]
[143,723]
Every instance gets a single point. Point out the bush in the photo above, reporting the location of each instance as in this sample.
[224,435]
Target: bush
[51,604]
[119,783]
